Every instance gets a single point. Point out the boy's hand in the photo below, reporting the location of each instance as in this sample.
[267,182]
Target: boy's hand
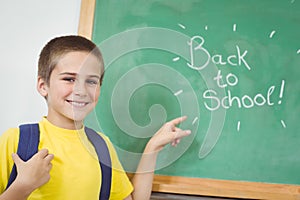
[35,172]
[168,133]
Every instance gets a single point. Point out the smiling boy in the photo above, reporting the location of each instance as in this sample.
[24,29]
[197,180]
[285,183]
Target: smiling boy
[73,89]
[70,74]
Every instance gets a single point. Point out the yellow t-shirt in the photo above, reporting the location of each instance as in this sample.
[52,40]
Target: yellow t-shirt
[76,171]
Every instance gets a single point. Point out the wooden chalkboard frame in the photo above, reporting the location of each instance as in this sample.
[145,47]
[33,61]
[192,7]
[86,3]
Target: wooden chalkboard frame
[199,186]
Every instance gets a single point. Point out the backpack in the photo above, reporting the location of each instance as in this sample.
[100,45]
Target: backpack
[28,146]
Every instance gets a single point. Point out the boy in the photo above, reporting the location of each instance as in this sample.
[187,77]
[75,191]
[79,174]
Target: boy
[70,73]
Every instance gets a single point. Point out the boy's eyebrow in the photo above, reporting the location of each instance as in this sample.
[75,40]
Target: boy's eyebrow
[94,76]
[68,73]
[75,74]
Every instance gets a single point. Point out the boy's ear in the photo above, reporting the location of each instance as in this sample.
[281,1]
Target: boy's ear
[42,87]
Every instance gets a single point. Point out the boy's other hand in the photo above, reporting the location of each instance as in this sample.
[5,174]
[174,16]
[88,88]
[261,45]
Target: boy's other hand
[35,172]
[168,133]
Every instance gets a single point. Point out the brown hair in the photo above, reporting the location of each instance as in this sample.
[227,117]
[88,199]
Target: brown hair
[58,47]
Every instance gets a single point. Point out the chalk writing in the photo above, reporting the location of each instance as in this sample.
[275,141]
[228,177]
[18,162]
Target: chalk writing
[231,79]
[212,100]
[197,49]
[238,126]
[176,59]
[194,121]
[178,92]
[283,123]
[246,101]
[182,26]
[281,91]
[272,34]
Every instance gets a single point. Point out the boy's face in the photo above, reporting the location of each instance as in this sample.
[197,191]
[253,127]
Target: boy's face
[73,89]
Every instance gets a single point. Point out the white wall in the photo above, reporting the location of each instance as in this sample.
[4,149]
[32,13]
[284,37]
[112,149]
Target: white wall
[25,27]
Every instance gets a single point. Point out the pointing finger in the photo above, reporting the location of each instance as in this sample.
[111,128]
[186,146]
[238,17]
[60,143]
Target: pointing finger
[178,120]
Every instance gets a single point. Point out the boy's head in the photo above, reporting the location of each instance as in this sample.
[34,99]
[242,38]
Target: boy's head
[70,71]
[58,47]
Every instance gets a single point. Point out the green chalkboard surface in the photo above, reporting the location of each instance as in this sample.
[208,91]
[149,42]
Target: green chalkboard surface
[231,66]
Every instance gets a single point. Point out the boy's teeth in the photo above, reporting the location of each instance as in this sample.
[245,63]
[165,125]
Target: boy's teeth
[77,104]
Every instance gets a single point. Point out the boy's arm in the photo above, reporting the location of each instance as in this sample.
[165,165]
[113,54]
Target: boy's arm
[143,178]
[15,192]
[31,175]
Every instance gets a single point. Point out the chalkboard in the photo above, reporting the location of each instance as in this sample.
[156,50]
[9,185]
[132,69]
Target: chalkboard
[231,66]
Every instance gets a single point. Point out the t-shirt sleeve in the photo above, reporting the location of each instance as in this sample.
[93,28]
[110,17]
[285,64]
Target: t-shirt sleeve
[121,185]
[8,145]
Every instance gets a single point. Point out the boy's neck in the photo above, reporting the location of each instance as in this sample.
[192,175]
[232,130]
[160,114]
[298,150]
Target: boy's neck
[65,124]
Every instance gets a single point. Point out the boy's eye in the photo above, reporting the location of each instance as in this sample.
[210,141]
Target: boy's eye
[92,82]
[69,79]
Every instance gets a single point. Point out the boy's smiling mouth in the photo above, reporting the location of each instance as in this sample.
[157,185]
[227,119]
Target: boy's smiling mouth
[78,104]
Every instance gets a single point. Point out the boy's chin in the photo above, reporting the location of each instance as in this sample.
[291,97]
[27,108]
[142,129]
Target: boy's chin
[79,115]
[78,118]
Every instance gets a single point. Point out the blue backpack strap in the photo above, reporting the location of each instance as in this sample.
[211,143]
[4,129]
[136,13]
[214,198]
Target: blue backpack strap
[104,161]
[27,147]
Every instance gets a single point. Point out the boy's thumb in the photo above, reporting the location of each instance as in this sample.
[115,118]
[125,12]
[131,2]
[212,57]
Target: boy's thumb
[17,160]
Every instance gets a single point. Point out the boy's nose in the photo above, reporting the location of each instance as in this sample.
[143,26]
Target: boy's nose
[79,89]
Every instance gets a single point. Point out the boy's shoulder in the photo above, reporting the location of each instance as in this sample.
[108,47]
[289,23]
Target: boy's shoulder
[106,139]
[108,142]
[11,135]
